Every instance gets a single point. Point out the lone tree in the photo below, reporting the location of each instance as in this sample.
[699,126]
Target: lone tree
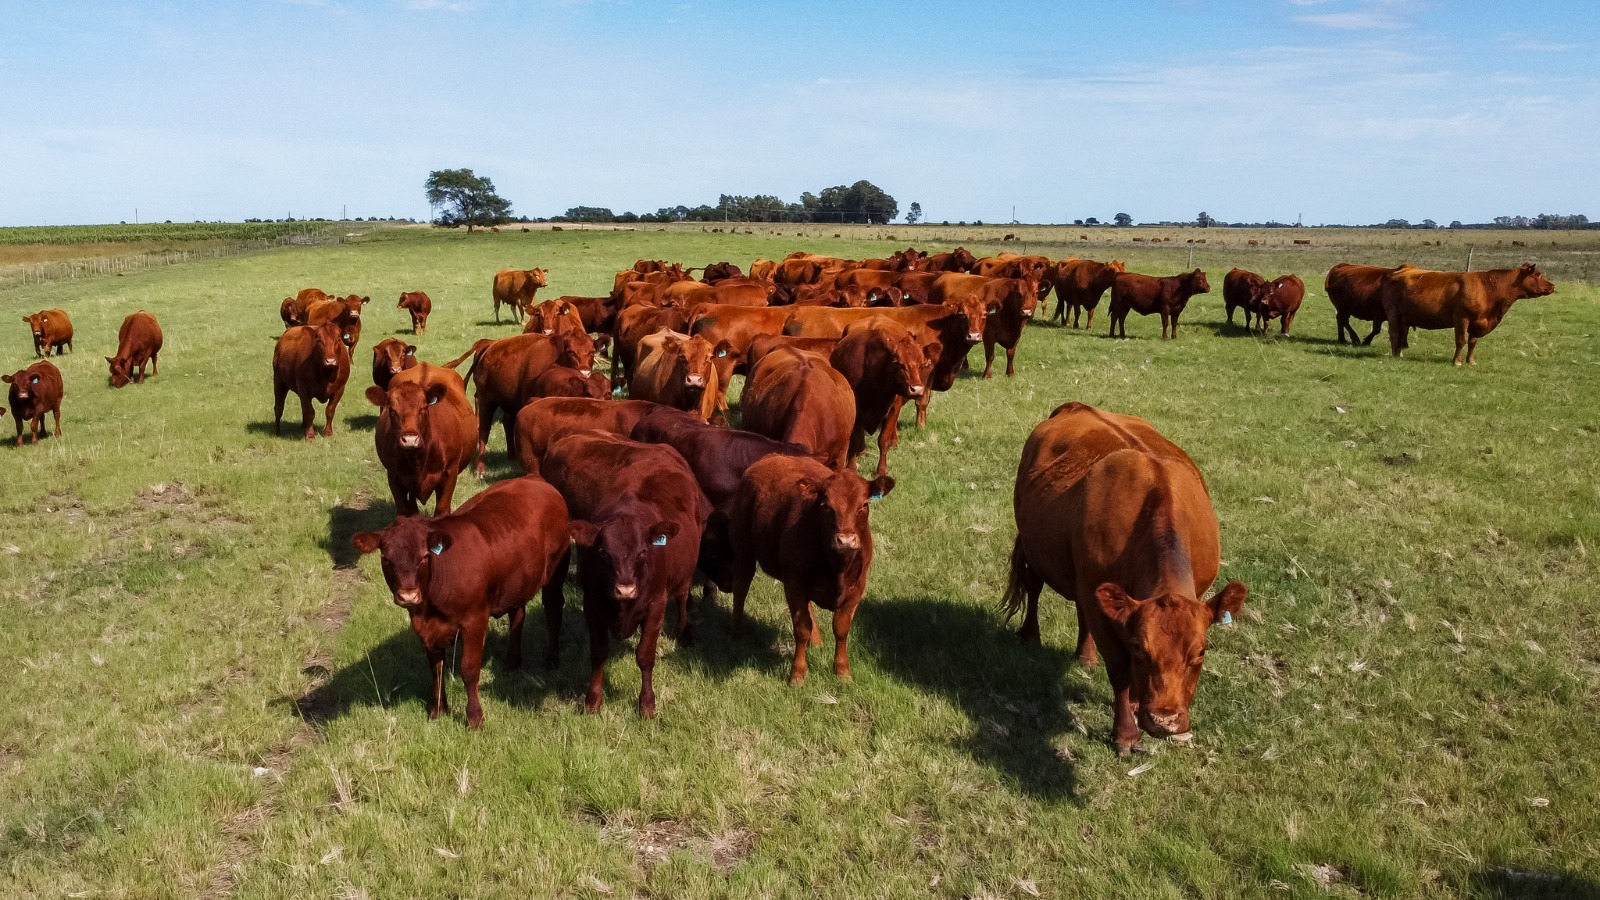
[467,199]
[1204,220]
[914,214]
[1123,220]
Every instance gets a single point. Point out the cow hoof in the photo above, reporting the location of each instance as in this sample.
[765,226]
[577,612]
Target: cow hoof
[844,676]
[1125,750]
[797,679]
[475,723]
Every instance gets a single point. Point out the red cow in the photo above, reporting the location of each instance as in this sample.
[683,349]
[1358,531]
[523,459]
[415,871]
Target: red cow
[1079,284]
[737,327]
[635,324]
[390,357]
[346,312]
[730,292]
[418,304]
[1356,292]
[637,517]
[1004,326]
[138,342]
[561,381]
[425,435]
[35,391]
[1472,303]
[516,288]
[554,316]
[314,362]
[957,260]
[679,371]
[487,559]
[885,366]
[721,271]
[1239,288]
[761,345]
[807,527]
[503,372]
[51,330]
[1146,294]
[797,397]
[548,419]
[1116,518]
[599,315]
[1279,298]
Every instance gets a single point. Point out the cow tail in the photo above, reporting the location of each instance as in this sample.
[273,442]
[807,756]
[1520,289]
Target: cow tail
[1016,581]
[475,351]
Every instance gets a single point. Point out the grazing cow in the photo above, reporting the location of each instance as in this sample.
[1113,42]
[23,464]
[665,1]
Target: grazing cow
[1004,326]
[554,316]
[679,371]
[807,527]
[881,287]
[637,518]
[764,269]
[1356,292]
[1079,284]
[390,357]
[346,312]
[796,397]
[1472,303]
[634,324]
[451,574]
[762,344]
[1239,288]
[516,288]
[1278,298]
[1146,294]
[35,391]
[138,342]
[418,304]
[885,367]
[561,381]
[1116,518]
[548,419]
[425,435]
[503,373]
[51,330]
[314,362]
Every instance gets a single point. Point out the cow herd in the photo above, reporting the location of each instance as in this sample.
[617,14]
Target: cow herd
[37,390]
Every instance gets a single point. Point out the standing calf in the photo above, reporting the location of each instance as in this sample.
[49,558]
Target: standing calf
[418,304]
[138,342]
[35,391]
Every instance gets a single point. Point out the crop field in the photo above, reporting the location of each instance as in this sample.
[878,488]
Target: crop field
[213,695]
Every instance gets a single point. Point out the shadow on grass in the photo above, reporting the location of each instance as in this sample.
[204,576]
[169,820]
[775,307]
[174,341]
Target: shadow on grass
[345,521]
[1015,695]
[1503,883]
[362,421]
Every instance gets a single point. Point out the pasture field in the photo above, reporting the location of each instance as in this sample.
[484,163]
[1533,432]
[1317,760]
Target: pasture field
[212,695]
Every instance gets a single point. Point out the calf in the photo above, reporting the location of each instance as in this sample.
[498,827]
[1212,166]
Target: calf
[885,366]
[1279,298]
[138,342]
[314,362]
[390,357]
[548,419]
[807,527]
[425,435]
[516,288]
[1239,289]
[1079,284]
[503,373]
[453,573]
[418,304]
[1356,292]
[51,330]
[1004,326]
[35,391]
[637,517]
[679,371]
[796,397]
[1146,294]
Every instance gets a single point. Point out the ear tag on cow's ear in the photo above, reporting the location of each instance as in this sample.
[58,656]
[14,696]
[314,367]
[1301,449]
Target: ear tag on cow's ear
[432,400]
[875,496]
[660,540]
[1227,617]
[721,353]
[35,379]
[437,548]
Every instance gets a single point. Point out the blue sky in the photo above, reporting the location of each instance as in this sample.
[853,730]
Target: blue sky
[1343,111]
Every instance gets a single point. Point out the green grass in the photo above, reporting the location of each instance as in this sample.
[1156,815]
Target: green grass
[1415,667]
[151,231]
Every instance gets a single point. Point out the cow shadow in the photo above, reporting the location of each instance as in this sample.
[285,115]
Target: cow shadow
[343,523]
[1015,695]
[490,323]
[362,421]
[291,427]
[1503,883]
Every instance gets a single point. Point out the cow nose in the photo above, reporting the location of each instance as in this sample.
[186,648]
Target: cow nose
[394,370]
[916,390]
[408,597]
[1166,724]
[696,380]
[974,336]
[411,440]
[329,361]
[850,541]
[585,373]
[627,591]
[547,331]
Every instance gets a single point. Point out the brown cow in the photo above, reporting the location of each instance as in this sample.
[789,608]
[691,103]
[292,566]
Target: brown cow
[599,315]
[634,324]
[346,312]
[637,518]
[516,288]
[1356,292]
[51,330]
[737,326]
[957,260]
[808,527]
[314,362]
[562,381]
[720,271]
[420,306]
[885,366]
[486,559]
[730,292]
[1004,326]
[976,295]
[35,391]
[138,342]
[425,435]
[881,287]
[1278,298]
[548,419]
[1239,288]
[390,357]
[1472,303]
[1146,294]
[1079,284]
[503,373]
[293,309]
[678,370]
[915,285]
[554,316]
[764,269]
[796,397]
[763,344]
[1116,518]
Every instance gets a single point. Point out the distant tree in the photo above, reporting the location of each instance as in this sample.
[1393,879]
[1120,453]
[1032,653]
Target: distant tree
[863,203]
[1091,221]
[1204,220]
[466,199]
[1455,223]
[914,214]
[1123,220]
[1077,221]
[1397,223]
[587,214]
[1429,223]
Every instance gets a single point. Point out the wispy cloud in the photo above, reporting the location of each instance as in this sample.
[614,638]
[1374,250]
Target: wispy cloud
[1534,45]
[455,6]
[1369,20]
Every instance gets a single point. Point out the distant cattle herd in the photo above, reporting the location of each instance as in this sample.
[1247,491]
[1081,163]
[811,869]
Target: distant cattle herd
[652,492]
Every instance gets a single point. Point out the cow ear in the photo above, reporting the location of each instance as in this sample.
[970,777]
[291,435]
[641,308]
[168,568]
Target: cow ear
[1227,602]
[5,378]
[670,343]
[366,299]
[112,360]
[583,533]
[366,541]
[1115,603]
[436,393]
[724,348]
[879,488]
[377,396]
[661,532]
[439,542]
[931,350]
[411,349]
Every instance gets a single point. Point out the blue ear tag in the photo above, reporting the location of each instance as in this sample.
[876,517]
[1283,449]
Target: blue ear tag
[1227,617]
[437,549]
[875,497]
[660,540]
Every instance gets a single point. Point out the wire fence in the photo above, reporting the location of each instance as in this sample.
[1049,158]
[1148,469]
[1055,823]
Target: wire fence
[20,274]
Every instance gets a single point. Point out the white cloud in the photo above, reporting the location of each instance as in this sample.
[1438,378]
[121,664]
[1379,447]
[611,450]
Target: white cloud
[1370,20]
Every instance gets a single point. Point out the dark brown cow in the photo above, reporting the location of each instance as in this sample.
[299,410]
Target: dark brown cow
[546,420]
[1079,284]
[957,260]
[807,527]
[1356,292]
[1239,288]
[763,344]
[419,306]
[637,518]
[314,362]
[1004,326]
[516,288]
[599,315]
[503,373]
[885,366]
[1116,518]
[561,381]
[1279,298]
[291,312]
[796,397]
[1146,294]
[486,559]
[51,330]
[720,271]
[138,342]
[680,371]
[425,435]
[390,357]
[35,391]
[1472,303]
[634,324]
[345,312]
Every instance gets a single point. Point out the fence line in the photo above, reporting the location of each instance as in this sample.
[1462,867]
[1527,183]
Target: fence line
[70,269]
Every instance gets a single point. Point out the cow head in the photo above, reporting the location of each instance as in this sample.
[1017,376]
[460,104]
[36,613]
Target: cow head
[976,306]
[1532,283]
[962,259]
[841,502]
[1166,641]
[909,361]
[1198,283]
[622,553]
[575,350]
[23,384]
[407,406]
[537,278]
[391,357]
[37,323]
[329,343]
[545,317]
[410,548]
[1029,290]
[121,371]
[695,360]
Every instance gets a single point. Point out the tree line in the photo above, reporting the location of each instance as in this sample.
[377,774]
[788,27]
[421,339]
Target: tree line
[862,203]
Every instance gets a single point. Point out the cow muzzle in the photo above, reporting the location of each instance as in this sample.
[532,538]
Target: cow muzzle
[847,541]
[697,381]
[329,361]
[974,336]
[547,331]
[411,441]
[916,390]
[394,370]
[627,591]
[409,598]
[1166,724]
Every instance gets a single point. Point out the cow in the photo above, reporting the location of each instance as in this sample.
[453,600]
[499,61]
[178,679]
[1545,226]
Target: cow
[761,345]
[1356,292]
[1279,298]
[729,292]
[35,391]
[633,325]
[1472,303]
[720,271]
[562,381]
[1239,288]
[957,260]
[915,285]
[553,316]
[548,419]
[885,366]
[346,312]
[1004,326]
[52,330]
[138,343]
[425,435]
[390,357]
[419,306]
[452,573]
[795,396]
[764,269]
[503,373]
[1116,518]
[880,286]
[516,288]
[599,315]
[678,370]
[1079,284]
[1146,294]
[809,528]
[637,518]
[977,295]
[293,309]
[314,362]
[737,326]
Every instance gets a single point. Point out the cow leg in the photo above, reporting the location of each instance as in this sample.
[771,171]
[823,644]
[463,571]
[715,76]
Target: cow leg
[1088,321]
[438,704]
[892,426]
[645,655]
[508,423]
[1376,327]
[1166,321]
[328,410]
[36,425]
[1125,726]
[599,649]
[18,423]
[1087,657]
[842,618]
[883,453]
[445,493]
[922,409]
[1011,360]
[307,418]
[279,392]
[858,444]
[1032,584]
[485,422]
[1344,325]
[988,359]
[1061,310]
[1175,325]
[685,633]
[744,572]
[1461,341]
[800,614]
[514,637]
[1397,335]
[1288,319]
[473,634]
[404,503]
